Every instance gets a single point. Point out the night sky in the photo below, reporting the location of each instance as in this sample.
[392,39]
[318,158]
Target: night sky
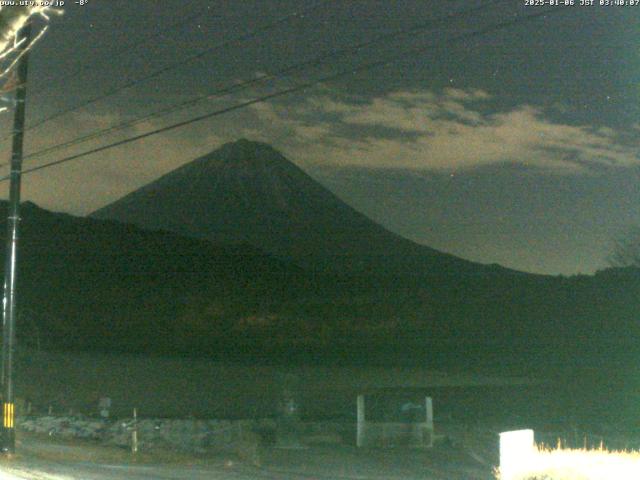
[518,146]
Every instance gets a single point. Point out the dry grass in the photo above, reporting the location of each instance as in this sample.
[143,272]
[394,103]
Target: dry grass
[579,464]
[42,447]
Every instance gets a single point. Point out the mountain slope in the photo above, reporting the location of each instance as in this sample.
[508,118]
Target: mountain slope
[248,192]
[99,285]
[94,284]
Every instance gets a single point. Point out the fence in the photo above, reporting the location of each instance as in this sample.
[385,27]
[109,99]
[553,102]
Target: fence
[417,432]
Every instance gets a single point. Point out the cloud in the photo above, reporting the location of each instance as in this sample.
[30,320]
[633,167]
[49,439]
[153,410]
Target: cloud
[423,130]
[450,130]
[88,183]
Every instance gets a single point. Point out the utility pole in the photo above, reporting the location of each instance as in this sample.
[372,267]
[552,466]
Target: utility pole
[8,439]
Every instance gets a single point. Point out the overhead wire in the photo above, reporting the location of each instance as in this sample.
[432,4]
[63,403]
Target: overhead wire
[243,85]
[173,65]
[297,88]
[128,47]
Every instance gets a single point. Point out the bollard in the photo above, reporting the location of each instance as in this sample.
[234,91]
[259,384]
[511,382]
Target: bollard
[360,434]
[134,432]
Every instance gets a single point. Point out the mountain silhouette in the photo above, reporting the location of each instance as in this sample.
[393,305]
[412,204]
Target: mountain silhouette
[248,192]
[93,284]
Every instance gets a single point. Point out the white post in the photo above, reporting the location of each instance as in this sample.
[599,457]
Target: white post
[361,422]
[516,452]
[428,408]
[134,432]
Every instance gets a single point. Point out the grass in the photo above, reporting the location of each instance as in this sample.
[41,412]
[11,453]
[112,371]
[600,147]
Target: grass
[578,464]
[42,447]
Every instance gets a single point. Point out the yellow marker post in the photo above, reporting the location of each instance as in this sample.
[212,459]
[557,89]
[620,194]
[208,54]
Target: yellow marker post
[9,415]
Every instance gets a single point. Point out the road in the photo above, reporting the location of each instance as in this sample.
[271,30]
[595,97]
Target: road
[55,471]
[40,459]
[86,471]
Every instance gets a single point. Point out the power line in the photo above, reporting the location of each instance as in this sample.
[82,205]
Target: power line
[335,76]
[303,86]
[173,65]
[139,42]
[318,60]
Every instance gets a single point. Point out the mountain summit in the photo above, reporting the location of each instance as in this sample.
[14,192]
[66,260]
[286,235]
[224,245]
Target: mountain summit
[248,192]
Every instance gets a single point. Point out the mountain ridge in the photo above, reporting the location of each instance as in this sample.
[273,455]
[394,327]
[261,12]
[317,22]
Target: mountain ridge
[101,285]
[247,191]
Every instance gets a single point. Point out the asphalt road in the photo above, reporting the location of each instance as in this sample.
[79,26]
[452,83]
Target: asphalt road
[86,471]
[36,469]
[44,459]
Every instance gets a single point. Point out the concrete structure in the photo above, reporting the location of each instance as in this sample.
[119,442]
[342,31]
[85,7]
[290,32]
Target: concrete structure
[416,431]
[517,449]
